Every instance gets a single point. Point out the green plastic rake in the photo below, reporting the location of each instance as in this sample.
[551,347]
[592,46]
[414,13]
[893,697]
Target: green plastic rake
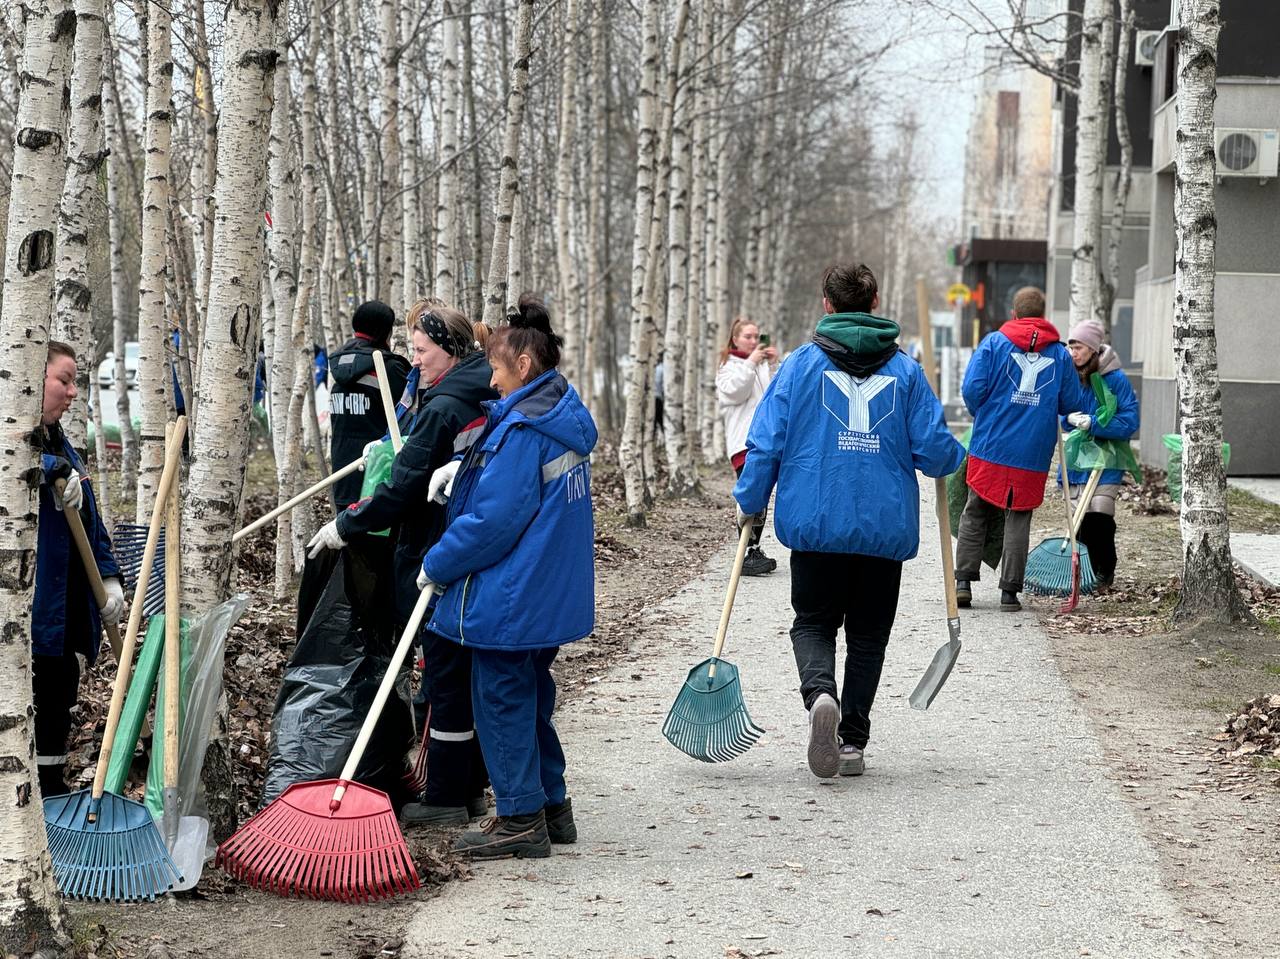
[709,720]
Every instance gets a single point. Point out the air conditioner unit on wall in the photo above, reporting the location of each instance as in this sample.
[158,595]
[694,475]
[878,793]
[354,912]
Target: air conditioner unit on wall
[1247,153]
[1144,47]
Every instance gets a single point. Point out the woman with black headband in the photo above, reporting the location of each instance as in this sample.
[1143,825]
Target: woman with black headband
[453,380]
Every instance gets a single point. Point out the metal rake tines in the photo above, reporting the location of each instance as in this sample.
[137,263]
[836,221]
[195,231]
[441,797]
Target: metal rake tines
[119,857]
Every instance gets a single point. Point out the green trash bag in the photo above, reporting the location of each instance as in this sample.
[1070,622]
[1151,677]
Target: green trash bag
[1173,442]
[958,495]
[1086,452]
[377,469]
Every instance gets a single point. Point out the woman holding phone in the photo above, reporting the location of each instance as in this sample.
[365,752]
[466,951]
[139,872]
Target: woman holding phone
[746,366]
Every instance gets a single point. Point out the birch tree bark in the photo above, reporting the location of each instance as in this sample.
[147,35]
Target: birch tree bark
[597,81]
[152,328]
[496,292]
[120,307]
[446,278]
[1124,176]
[220,447]
[629,449]
[30,911]
[1091,147]
[73,316]
[203,167]
[1208,584]
[391,271]
[473,284]
[567,269]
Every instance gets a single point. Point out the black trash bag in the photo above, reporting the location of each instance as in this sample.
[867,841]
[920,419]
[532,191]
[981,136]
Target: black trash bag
[346,634]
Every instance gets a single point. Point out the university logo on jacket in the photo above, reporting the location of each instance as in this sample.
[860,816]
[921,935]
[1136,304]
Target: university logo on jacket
[859,405]
[1027,371]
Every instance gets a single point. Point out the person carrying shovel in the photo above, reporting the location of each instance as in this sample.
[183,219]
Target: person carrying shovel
[65,620]
[841,432]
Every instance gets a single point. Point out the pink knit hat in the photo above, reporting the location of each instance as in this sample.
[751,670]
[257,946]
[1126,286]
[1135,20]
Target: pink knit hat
[1089,333]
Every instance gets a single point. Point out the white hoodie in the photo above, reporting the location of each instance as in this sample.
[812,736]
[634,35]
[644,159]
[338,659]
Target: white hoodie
[740,385]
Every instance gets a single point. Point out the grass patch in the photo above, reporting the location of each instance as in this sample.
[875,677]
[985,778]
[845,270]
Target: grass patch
[1269,764]
[1219,705]
[1272,669]
[1249,513]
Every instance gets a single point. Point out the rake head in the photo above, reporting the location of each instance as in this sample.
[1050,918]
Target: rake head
[1049,569]
[298,846]
[120,856]
[128,544]
[709,720]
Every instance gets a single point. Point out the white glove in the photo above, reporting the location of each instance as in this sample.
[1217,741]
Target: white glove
[327,538]
[114,606]
[423,581]
[1081,421]
[755,519]
[72,493]
[442,482]
[368,448]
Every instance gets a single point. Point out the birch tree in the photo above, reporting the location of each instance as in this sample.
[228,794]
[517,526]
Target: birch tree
[1124,176]
[567,269]
[496,292]
[153,373]
[73,317]
[224,389]
[29,906]
[391,269]
[446,277]
[629,450]
[1091,149]
[1208,583]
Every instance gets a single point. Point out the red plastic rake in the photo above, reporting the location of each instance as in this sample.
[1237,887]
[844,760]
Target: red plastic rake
[332,839]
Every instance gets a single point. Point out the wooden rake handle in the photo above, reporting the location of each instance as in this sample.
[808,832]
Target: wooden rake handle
[90,564]
[173,448]
[722,630]
[172,637]
[306,494]
[384,693]
[1066,490]
[388,404]
[1085,497]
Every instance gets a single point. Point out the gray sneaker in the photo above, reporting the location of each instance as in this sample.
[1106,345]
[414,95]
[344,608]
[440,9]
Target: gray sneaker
[852,762]
[824,747]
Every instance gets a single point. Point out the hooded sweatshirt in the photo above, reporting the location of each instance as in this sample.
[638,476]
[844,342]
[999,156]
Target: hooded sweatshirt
[355,407]
[517,556]
[843,447]
[1019,380]
[448,420]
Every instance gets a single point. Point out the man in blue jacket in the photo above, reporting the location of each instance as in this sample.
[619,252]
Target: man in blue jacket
[841,431]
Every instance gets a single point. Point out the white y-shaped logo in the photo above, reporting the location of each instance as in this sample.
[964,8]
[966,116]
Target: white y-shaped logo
[1031,366]
[852,407]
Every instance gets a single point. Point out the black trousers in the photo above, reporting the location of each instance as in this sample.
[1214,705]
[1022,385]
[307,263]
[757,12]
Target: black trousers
[1098,534]
[757,530]
[861,593]
[55,684]
[455,766]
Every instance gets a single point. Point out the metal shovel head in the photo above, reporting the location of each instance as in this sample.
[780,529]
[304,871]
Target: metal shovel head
[709,720]
[935,677]
[190,851]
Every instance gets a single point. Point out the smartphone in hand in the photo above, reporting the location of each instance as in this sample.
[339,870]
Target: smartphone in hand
[764,341]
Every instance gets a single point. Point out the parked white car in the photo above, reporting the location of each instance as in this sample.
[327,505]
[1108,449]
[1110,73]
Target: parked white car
[107,369]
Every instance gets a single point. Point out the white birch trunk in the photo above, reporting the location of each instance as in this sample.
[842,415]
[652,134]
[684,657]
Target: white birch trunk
[1208,584]
[1091,151]
[204,165]
[220,447]
[630,450]
[120,308]
[391,270]
[73,317]
[566,268]
[596,80]
[496,292]
[153,370]
[446,278]
[1124,176]
[694,327]
[515,246]
[30,911]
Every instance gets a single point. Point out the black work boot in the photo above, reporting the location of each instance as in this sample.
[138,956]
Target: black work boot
[423,814]
[964,595]
[560,825]
[1009,601]
[524,837]
[477,806]
[757,564]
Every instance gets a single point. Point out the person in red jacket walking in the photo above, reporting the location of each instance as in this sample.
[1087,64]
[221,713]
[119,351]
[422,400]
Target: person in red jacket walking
[1019,380]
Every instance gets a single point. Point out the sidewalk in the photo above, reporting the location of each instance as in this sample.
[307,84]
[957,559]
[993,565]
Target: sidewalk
[985,827]
[1258,553]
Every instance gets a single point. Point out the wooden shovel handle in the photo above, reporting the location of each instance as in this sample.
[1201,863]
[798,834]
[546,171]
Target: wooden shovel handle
[173,448]
[90,564]
[388,404]
[306,494]
[943,506]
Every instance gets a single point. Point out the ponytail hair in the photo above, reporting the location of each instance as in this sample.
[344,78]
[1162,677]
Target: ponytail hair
[527,331]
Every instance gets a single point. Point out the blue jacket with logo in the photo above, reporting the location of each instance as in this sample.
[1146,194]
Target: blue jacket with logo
[1121,427]
[518,554]
[843,453]
[1018,381]
[55,552]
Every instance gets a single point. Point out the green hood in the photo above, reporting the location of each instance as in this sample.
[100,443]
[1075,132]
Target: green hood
[861,333]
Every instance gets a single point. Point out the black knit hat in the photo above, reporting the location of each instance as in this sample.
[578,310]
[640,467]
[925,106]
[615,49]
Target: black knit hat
[374,319]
